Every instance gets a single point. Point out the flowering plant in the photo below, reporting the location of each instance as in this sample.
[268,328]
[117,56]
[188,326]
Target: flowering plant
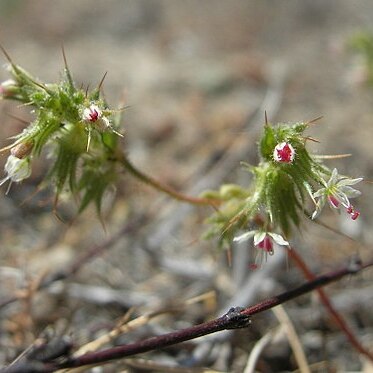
[77,127]
[286,175]
[337,192]
[81,134]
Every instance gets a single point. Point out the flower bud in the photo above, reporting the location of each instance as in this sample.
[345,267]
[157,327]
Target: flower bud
[22,149]
[284,153]
[8,88]
[16,169]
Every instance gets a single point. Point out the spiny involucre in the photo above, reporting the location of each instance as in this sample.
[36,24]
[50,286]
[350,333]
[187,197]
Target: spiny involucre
[76,126]
[284,182]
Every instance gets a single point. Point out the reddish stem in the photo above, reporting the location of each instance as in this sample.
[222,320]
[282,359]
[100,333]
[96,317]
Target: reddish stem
[234,318]
[163,187]
[329,306]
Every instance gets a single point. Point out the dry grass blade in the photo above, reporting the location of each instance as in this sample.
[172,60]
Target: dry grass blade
[107,338]
[331,156]
[259,347]
[294,341]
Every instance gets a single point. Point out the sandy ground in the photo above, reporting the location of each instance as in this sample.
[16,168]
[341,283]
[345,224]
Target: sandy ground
[191,72]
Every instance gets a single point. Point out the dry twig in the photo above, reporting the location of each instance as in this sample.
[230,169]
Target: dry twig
[235,318]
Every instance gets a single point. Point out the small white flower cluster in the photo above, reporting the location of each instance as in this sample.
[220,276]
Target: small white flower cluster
[264,242]
[337,191]
[93,115]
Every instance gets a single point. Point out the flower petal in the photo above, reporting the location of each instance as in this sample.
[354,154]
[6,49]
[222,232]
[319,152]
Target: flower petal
[342,198]
[315,214]
[333,178]
[259,237]
[244,236]
[321,192]
[348,181]
[17,169]
[351,192]
[278,239]
[4,180]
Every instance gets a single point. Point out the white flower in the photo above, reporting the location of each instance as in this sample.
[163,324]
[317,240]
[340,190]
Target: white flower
[17,169]
[263,240]
[337,191]
[284,153]
[94,115]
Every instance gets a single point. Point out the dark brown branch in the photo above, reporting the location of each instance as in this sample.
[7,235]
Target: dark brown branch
[233,319]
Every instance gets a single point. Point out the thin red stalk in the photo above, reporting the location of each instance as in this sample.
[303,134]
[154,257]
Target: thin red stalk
[234,318]
[329,306]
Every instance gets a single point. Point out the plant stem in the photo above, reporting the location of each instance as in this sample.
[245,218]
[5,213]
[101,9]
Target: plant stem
[329,306]
[162,187]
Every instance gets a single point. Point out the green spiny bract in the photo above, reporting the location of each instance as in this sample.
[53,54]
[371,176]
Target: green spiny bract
[283,183]
[83,145]
[74,126]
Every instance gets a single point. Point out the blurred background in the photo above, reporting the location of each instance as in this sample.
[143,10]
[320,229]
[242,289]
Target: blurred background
[197,77]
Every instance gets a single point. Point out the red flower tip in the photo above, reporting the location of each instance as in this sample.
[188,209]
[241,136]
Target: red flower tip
[92,113]
[266,244]
[353,213]
[284,153]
